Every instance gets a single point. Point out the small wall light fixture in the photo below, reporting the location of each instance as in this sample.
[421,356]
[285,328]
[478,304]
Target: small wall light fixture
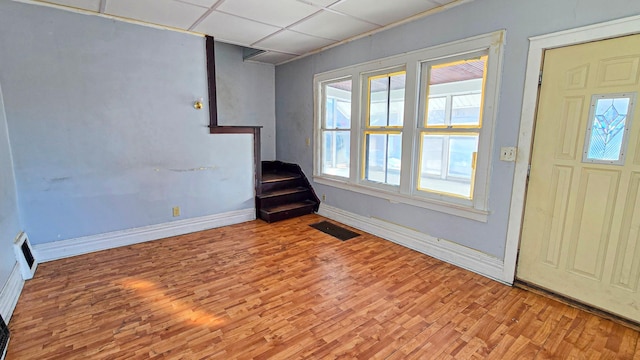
[198,104]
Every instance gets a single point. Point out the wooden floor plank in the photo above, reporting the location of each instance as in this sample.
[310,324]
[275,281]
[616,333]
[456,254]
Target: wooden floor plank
[287,291]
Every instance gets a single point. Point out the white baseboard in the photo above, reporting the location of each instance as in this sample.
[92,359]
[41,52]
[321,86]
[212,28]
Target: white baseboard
[441,249]
[10,293]
[83,245]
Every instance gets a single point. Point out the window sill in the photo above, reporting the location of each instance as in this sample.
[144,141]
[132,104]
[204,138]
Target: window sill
[441,206]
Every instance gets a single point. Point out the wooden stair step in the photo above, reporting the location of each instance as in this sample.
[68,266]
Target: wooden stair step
[271,177]
[287,211]
[290,206]
[281,192]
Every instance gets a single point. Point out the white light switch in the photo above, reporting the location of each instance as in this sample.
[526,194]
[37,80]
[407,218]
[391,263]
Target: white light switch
[508,153]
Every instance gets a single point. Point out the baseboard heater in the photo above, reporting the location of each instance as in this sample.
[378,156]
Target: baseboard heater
[4,338]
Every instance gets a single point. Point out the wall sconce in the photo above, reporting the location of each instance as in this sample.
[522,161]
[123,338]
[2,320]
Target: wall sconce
[198,104]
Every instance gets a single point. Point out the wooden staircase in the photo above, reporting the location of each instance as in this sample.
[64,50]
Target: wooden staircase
[284,193]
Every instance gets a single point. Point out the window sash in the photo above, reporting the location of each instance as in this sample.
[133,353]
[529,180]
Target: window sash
[368,79]
[445,182]
[386,162]
[425,86]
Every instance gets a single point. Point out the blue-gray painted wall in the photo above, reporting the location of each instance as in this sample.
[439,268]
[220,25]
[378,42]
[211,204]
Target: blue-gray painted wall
[246,95]
[9,216]
[521,19]
[102,128]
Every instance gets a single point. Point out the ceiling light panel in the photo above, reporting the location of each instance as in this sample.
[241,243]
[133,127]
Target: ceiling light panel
[164,12]
[293,42]
[91,5]
[333,26]
[384,12]
[280,13]
[233,29]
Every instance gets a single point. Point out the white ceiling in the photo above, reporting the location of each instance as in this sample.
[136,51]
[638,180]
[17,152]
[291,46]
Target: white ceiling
[284,29]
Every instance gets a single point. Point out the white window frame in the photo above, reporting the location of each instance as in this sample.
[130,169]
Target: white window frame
[407,192]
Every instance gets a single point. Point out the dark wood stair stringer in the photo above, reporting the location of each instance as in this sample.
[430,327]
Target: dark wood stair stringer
[285,192]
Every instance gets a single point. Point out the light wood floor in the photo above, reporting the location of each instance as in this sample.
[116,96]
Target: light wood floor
[288,291]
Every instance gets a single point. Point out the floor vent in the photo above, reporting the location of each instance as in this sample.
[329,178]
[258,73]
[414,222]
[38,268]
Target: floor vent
[4,338]
[24,255]
[334,230]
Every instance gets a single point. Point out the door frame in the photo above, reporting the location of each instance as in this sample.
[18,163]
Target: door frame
[537,46]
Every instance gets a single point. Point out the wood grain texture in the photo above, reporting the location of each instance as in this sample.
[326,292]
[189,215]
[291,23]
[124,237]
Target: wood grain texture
[288,291]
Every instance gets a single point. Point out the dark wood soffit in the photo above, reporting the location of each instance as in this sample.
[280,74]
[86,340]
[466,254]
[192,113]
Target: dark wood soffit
[211,81]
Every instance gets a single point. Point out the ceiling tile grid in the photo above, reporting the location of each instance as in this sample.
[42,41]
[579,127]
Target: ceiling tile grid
[280,13]
[285,29]
[163,12]
[330,25]
[233,29]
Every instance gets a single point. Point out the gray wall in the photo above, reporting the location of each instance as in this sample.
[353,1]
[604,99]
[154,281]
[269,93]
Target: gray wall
[521,18]
[102,128]
[246,94]
[9,218]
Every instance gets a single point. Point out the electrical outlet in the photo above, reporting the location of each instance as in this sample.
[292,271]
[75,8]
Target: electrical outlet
[176,211]
[508,153]
[324,197]
[308,141]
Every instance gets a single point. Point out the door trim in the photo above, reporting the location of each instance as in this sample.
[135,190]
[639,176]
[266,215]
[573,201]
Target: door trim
[537,46]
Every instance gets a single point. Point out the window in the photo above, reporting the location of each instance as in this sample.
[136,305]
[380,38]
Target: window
[415,128]
[450,129]
[610,120]
[336,128]
[382,132]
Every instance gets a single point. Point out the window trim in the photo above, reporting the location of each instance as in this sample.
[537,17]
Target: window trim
[407,193]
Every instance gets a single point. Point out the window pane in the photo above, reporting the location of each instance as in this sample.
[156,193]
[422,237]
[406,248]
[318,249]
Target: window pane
[461,149]
[335,153]
[396,101]
[437,108]
[605,139]
[383,156]
[338,105]
[386,100]
[465,109]
[378,101]
[461,83]
[447,164]
[432,155]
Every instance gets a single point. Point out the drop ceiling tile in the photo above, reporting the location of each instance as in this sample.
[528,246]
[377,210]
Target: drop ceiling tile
[275,12]
[91,5]
[333,26]
[163,12]
[293,42]
[273,57]
[229,28]
[384,12]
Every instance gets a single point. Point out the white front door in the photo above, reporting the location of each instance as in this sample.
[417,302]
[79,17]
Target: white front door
[580,236]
